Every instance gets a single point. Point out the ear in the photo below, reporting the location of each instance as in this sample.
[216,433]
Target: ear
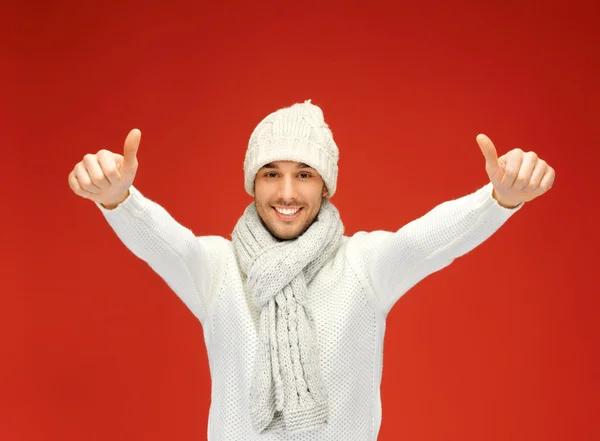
[325,191]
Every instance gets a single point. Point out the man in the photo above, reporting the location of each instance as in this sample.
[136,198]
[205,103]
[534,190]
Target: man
[294,311]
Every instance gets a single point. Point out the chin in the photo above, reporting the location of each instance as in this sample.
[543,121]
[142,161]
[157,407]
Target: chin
[286,234]
[283,237]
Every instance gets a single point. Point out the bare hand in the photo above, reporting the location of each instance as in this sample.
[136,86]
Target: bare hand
[517,176]
[105,177]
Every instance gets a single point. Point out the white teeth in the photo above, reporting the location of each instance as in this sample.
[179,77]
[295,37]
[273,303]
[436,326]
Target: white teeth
[287,211]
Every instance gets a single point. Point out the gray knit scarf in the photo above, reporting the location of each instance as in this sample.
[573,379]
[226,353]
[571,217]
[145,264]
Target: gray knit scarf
[287,391]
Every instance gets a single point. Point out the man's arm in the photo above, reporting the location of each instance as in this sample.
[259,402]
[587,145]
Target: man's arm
[169,248]
[396,261]
[106,178]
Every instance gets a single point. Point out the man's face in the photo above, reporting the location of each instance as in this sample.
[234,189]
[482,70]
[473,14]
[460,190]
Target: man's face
[288,197]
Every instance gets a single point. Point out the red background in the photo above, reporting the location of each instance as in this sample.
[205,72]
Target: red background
[503,344]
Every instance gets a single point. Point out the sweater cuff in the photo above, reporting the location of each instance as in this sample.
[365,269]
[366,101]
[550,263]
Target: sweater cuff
[132,206]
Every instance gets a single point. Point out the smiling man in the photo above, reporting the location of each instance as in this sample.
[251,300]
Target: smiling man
[288,197]
[293,310]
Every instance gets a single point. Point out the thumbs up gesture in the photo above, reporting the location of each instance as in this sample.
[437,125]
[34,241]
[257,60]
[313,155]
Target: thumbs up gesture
[105,177]
[517,176]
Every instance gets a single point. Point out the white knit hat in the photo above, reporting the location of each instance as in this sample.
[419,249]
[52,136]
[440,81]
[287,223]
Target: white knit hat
[296,133]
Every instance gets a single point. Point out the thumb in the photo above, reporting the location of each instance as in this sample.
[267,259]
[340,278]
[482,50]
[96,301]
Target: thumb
[489,153]
[132,142]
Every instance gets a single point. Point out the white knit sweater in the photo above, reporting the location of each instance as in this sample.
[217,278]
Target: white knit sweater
[349,299]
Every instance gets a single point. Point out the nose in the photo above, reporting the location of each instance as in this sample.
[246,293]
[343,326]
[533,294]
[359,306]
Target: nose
[287,189]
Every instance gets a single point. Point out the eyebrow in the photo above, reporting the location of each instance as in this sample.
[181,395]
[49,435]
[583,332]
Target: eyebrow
[271,165]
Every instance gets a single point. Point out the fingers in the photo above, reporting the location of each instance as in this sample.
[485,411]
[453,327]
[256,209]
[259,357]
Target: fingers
[94,171]
[132,143]
[487,148]
[84,180]
[513,164]
[523,179]
[536,176]
[74,184]
[100,176]
[490,154]
[108,165]
[547,180]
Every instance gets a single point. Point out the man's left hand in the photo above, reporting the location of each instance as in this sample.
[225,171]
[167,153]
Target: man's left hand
[517,176]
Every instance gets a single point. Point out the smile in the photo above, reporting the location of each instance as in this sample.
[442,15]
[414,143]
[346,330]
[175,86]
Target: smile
[287,213]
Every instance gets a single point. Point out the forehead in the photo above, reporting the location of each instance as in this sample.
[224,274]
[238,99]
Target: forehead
[286,164]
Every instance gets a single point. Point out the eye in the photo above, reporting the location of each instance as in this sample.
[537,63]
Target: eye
[270,174]
[305,175]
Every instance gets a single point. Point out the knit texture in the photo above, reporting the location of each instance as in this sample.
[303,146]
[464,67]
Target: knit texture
[349,300]
[296,133]
[287,392]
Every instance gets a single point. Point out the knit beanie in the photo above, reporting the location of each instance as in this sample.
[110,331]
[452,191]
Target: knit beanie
[295,133]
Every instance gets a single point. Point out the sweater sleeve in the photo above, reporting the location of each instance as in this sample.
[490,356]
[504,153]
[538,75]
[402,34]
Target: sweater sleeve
[169,248]
[396,261]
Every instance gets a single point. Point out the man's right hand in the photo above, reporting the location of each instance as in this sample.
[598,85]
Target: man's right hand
[105,177]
